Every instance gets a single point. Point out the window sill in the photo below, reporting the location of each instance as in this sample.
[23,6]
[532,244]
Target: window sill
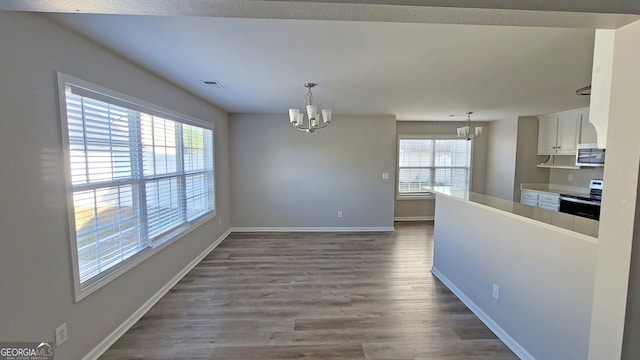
[429,196]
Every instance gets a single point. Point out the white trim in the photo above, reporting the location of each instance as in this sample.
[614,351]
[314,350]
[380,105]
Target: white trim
[416,196]
[486,319]
[155,245]
[414,218]
[64,79]
[310,229]
[428,136]
[106,343]
[77,289]
[431,195]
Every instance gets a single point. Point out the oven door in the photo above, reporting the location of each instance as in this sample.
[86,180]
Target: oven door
[578,207]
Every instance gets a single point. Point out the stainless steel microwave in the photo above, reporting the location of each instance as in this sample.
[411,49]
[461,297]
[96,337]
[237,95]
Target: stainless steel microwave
[589,155]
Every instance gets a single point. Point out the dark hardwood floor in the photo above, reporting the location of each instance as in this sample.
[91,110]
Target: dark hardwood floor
[313,296]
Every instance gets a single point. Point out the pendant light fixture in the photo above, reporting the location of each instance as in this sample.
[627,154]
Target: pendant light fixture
[297,118]
[465,131]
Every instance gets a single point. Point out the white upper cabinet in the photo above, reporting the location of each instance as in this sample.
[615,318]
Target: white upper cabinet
[568,130]
[547,135]
[558,133]
[588,133]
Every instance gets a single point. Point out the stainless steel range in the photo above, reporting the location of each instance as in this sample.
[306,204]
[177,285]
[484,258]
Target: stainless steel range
[587,204]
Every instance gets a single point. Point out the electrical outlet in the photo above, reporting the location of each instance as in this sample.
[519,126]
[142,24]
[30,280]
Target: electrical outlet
[61,334]
[570,177]
[339,213]
[219,221]
[496,292]
[385,176]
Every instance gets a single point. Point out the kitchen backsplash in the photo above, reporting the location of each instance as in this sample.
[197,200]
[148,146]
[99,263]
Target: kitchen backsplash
[581,177]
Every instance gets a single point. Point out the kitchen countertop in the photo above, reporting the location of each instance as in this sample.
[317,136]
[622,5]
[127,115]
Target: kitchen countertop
[553,188]
[566,221]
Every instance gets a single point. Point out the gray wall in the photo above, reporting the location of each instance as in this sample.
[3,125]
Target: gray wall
[580,177]
[501,158]
[424,208]
[415,209]
[284,178]
[36,281]
[527,159]
[545,275]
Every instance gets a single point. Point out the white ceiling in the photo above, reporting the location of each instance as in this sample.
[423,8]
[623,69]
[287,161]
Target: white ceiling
[416,71]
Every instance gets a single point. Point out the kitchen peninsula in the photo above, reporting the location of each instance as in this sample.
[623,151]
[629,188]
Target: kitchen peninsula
[527,272]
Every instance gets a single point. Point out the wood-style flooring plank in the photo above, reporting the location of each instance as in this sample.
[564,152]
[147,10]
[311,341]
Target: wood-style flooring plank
[437,349]
[313,296]
[278,352]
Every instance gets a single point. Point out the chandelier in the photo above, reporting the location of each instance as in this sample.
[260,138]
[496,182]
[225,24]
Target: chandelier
[297,118]
[465,131]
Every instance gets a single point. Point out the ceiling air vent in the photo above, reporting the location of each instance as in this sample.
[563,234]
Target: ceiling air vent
[213,83]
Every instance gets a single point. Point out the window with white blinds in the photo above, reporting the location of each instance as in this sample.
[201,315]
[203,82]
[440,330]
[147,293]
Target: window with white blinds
[427,164]
[138,178]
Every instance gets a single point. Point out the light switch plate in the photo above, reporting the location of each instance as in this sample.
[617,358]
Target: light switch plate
[385,176]
[496,292]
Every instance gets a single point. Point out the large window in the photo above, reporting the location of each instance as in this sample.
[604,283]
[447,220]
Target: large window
[427,164]
[139,177]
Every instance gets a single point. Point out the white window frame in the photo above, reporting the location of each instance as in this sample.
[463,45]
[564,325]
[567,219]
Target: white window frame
[426,195]
[154,245]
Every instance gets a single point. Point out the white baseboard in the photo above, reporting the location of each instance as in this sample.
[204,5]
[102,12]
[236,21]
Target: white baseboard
[310,229]
[500,333]
[105,344]
[413,218]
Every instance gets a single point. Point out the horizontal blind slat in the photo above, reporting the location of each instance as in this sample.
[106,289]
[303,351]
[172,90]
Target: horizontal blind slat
[120,154]
[428,164]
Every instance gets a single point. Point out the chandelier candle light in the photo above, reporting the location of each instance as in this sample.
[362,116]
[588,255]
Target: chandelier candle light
[465,131]
[297,118]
